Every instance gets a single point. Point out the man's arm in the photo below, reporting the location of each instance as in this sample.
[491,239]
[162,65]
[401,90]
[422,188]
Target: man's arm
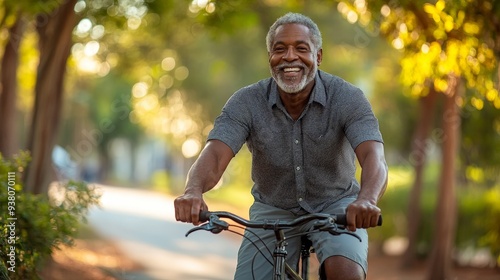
[364,213]
[202,177]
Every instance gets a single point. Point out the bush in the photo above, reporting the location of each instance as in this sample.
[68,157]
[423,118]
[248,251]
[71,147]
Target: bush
[34,225]
[478,225]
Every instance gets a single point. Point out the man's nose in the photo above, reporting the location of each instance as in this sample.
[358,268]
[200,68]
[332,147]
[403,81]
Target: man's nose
[290,54]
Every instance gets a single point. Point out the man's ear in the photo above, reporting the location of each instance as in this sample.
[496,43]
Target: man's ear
[319,56]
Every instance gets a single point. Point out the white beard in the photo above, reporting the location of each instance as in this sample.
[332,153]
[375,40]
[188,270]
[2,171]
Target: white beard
[289,85]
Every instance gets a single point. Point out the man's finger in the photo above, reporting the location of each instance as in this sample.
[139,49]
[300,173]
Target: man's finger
[374,221]
[351,221]
[195,213]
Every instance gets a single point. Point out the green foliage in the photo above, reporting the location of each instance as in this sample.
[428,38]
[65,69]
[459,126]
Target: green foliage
[478,224]
[491,238]
[481,136]
[34,225]
[12,9]
[438,39]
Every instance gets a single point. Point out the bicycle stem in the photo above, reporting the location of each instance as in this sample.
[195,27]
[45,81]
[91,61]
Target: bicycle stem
[279,256]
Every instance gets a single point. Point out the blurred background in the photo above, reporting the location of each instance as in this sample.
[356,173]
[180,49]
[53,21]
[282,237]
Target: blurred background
[123,94]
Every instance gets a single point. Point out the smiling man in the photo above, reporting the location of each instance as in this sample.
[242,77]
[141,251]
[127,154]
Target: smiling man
[305,128]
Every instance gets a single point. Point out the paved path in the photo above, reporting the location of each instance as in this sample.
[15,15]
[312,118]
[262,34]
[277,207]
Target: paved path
[142,223]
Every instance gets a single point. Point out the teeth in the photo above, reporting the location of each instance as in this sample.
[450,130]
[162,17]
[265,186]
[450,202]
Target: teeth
[295,69]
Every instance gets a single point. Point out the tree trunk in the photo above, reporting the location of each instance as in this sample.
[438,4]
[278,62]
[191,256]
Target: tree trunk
[418,158]
[444,237]
[8,90]
[55,32]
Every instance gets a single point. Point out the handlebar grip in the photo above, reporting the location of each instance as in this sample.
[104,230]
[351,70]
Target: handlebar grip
[342,220]
[205,215]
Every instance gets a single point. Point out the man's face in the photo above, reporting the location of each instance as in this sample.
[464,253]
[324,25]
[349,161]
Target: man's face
[293,59]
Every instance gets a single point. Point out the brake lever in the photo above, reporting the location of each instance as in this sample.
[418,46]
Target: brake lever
[215,225]
[333,228]
[325,225]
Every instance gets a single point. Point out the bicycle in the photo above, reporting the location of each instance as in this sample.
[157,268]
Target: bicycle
[324,222]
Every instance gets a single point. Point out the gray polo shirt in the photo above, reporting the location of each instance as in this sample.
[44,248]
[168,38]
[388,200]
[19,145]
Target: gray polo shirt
[306,164]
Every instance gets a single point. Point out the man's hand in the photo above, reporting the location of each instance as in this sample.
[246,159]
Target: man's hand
[362,213]
[188,207]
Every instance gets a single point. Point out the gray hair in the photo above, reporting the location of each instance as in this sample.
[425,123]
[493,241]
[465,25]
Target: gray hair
[296,18]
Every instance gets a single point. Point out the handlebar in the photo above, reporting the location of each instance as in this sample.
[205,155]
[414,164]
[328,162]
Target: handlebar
[324,222]
[340,219]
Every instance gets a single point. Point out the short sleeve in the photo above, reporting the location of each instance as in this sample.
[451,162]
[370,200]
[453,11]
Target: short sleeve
[360,122]
[232,126]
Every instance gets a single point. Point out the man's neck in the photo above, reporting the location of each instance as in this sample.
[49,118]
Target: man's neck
[295,103]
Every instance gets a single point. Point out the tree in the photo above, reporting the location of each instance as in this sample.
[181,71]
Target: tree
[8,90]
[14,21]
[52,27]
[446,45]
[55,32]
[418,158]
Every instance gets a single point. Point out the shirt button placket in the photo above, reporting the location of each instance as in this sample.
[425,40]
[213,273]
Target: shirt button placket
[298,162]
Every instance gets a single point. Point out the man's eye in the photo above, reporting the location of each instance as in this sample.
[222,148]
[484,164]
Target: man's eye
[279,49]
[302,49]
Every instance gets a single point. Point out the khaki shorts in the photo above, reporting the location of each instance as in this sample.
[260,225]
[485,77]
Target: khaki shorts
[253,265]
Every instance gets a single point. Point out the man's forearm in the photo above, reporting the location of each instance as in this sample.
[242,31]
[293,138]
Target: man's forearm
[202,176]
[209,167]
[374,175]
